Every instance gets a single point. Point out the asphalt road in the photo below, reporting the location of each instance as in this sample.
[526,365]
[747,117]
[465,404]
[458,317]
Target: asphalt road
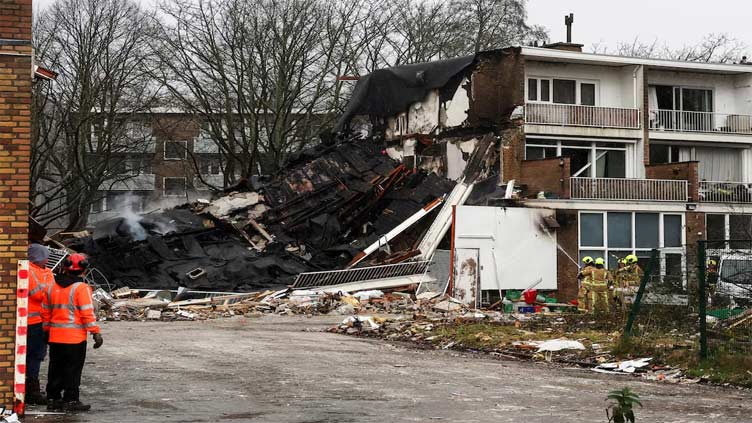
[284,369]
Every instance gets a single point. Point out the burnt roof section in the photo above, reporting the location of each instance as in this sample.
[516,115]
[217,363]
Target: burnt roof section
[386,92]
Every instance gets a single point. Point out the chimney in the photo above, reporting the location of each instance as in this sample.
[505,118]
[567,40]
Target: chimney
[568,45]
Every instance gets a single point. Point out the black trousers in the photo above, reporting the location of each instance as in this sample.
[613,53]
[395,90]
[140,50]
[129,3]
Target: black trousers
[64,375]
[37,349]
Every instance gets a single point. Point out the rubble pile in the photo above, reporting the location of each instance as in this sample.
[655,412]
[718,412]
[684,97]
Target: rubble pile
[558,338]
[327,205]
[127,304]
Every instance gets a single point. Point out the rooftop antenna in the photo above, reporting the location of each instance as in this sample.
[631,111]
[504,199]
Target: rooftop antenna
[568,20]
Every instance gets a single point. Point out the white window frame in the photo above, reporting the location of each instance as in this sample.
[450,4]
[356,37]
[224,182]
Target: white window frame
[663,250]
[184,149]
[577,88]
[164,186]
[538,90]
[591,145]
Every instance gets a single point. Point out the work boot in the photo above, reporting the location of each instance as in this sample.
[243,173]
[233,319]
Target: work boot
[76,406]
[33,394]
[55,405]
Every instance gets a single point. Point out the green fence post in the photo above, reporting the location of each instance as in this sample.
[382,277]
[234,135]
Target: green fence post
[702,298]
[638,298]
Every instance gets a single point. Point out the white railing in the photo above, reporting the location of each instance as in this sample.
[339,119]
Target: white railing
[684,121]
[360,274]
[628,189]
[576,115]
[725,192]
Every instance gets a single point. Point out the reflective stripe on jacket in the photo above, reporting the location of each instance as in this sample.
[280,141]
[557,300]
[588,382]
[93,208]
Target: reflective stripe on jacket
[68,313]
[40,279]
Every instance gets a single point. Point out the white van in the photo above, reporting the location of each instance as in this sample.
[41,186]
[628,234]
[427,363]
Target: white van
[735,278]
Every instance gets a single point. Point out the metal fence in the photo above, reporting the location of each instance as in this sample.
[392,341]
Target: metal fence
[664,310]
[687,121]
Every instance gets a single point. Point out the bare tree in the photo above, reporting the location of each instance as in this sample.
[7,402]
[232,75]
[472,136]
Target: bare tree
[84,127]
[261,76]
[712,48]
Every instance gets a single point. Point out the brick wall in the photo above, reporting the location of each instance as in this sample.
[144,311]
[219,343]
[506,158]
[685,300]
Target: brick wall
[566,270]
[498,87]
[685,171]
[548,175]
[15,149]
[512,153]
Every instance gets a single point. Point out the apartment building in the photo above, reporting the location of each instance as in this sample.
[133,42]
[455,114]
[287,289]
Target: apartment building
[629,154]
[169,160]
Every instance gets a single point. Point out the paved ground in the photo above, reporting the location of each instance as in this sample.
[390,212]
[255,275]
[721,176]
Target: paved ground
[281,369]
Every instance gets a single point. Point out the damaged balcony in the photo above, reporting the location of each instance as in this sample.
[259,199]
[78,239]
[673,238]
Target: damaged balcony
[582,116]
[629,189]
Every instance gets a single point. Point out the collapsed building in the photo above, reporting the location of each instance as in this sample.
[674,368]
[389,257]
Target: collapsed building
[318,214]
[598,156]
[537,155]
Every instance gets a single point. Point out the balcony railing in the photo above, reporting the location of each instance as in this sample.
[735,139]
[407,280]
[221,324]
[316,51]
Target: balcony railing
[725,192]
[628,189]
[575,115]
[684,121]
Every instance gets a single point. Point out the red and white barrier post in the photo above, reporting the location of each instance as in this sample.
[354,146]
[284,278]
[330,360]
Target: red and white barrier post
[22,315]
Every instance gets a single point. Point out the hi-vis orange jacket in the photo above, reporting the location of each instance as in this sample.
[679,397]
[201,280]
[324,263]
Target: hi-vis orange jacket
[40,281]
[68,311]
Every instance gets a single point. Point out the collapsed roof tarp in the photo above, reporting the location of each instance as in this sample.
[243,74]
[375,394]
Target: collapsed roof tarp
[328,204]
[386,92]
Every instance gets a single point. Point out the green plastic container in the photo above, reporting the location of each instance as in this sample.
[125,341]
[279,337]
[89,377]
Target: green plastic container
[514,295]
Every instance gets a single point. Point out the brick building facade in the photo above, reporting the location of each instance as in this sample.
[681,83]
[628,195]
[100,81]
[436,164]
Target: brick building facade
[15,150]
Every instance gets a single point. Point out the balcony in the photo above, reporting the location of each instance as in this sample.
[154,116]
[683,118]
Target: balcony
[629,189]
[583,116]
[725,192]
[706,122]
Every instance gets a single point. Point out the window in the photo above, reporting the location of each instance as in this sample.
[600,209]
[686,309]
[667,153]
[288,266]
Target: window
[614,235]
[174,187]
[565,91]
[663,153]
[175,150]
[210,166]
[139,166]
[591,229]
[610,158]
[539,89]
[98,206]
[587,94]
[646,230]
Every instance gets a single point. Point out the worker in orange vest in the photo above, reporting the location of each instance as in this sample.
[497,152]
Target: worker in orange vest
[40,280]
[68,315]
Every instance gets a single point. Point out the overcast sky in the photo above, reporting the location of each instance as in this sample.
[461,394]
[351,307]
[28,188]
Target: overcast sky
[678,22]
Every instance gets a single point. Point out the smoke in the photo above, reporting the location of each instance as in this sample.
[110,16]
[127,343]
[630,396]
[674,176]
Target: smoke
[132,219]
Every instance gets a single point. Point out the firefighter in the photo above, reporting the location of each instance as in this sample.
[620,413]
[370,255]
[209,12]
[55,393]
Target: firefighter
[40,280]
[633,276]
[600,278]
[68,315]
[583,292]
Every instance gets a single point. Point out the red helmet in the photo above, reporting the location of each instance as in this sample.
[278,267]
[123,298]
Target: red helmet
[76,263]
